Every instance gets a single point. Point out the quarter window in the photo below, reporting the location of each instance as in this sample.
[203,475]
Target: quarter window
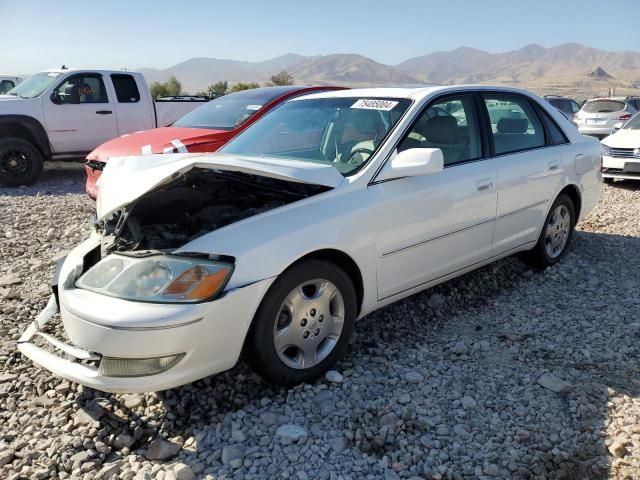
[514,124]
[556,136]
[126,88]
[87,88]
[451,125]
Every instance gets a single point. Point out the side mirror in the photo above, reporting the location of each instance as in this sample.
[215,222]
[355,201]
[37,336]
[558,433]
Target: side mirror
[413,162]
[55,98]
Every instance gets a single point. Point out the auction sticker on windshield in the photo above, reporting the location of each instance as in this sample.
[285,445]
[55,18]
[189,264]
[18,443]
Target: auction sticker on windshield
[253,107]
[370,104]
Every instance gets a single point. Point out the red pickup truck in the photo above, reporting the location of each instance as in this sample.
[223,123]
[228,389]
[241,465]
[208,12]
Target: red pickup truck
[205,129]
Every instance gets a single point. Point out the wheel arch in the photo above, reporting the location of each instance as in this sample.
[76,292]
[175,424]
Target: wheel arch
[26,128]
[573,192]
[342,260]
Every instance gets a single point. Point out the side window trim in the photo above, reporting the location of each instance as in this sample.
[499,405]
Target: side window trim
[545,118]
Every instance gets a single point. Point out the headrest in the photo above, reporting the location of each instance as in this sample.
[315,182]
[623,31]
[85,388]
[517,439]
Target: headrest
[513,125]
[441,130]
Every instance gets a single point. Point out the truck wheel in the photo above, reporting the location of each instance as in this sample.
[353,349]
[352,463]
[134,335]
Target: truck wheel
[20,162]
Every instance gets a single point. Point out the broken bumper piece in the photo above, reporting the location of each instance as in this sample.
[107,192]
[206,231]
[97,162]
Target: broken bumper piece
[123,346]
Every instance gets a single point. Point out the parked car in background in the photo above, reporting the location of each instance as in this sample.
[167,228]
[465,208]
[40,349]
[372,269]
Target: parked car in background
[329,207]
[7,82]
[599,116]
[621,152]
[206,129]
[66,113]
[566,105]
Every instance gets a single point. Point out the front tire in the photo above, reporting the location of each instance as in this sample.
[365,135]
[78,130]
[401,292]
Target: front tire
[556,234]
[304,323]
[21,163]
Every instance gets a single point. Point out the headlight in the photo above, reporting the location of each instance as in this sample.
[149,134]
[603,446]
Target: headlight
[606,151]
[158,278]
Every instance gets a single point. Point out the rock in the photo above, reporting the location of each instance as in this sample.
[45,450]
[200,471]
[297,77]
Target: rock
[468,402]
[290,433]
[554,384]
[459,348]
[108,470]
[413,377]
[162,449]
[389,420]
[88,418]
[617,449]
[6,456]
[338,444]
[333,377]
[238,436]
[132,401]
[404,399]
[7,377]
[10,279]
[492,470]
[123,440]
[183,472]
[232,453]
[435,301]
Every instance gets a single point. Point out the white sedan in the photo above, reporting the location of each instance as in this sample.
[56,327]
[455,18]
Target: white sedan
[331,206]
[621,152]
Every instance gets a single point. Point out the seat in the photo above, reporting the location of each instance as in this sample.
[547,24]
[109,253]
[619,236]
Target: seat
[439,132]
[511,135]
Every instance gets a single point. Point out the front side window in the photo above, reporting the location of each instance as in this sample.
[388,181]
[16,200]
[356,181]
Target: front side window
[341,132]
[515,126]
[451,125]
[88,88]
[126,88]
[5,86]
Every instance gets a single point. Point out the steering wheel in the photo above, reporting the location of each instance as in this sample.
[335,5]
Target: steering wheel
[366,151]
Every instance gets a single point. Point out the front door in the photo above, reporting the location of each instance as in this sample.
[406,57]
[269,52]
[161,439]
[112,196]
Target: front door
[80,115]
[434,225]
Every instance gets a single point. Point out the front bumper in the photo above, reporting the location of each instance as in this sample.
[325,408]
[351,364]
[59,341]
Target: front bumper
[620,167]
[210,335]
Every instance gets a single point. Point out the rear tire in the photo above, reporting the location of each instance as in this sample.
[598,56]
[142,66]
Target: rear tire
[555,236]
[304,323]
[21,162]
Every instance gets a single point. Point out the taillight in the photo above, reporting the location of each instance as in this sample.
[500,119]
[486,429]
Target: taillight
[625,116]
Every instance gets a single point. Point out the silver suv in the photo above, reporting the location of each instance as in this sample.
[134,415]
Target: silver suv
[568,106]
[600,116]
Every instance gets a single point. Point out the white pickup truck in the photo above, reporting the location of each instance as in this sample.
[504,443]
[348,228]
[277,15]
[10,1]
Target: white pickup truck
[7,82]
[66,113]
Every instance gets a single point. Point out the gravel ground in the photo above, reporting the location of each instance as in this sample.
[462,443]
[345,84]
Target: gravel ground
[445,384]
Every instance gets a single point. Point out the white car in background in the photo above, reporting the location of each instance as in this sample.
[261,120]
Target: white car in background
[326,209]
[7,82]
[621,152]
[599,117]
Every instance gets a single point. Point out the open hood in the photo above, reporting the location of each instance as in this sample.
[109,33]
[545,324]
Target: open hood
[126,178]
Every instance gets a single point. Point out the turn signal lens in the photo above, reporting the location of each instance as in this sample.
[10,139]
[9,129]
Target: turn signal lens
[137,367]
[198,283]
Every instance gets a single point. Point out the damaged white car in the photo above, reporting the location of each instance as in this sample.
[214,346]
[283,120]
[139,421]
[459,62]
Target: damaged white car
[331,206]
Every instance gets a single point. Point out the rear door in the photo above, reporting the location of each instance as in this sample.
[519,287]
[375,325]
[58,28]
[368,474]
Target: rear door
[529,167]
[134,111]
[433,225]
[81,115]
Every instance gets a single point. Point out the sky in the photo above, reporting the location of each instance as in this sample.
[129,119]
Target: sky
[141,33]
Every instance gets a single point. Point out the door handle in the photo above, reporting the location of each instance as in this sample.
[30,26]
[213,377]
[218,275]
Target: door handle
[484,184]
[554,165]
[104,112]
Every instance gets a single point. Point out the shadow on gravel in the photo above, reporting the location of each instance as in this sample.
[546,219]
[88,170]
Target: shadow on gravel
[58,178]
[488,335]
[631,185]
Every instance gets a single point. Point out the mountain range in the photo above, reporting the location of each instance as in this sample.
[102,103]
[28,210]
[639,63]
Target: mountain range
[570,67]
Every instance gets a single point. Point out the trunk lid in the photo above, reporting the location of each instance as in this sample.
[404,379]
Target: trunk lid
[126,178]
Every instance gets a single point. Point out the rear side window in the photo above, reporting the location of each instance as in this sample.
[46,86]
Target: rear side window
[515,126]
[603,106]
[126,88]
[5,86]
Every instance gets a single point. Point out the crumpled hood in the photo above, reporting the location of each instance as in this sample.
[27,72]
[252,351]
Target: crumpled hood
[623,139]
[157,140]
[126,178]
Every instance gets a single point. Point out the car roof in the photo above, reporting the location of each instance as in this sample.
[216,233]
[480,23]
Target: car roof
[413,93]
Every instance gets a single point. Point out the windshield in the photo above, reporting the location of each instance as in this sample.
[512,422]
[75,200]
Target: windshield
[34,86]
[342,132]
[229,111]
[634,123]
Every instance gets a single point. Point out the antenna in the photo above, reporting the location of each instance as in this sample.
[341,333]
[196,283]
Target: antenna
[63,67]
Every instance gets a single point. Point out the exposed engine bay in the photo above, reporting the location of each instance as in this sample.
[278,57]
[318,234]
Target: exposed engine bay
[193,204]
